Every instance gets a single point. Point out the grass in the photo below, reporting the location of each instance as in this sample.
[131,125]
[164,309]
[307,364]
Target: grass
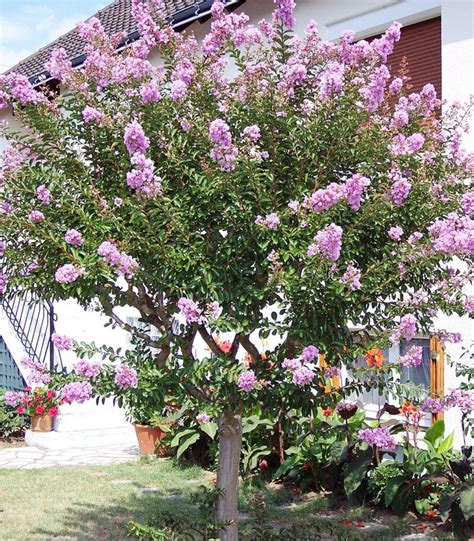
[91,503]
[96,503]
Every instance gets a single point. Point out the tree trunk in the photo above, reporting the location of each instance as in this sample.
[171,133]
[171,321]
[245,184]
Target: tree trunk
[230,442]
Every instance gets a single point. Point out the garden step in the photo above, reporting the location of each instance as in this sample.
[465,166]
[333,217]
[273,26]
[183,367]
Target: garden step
[121,437]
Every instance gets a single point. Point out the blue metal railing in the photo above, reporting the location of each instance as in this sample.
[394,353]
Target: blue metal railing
[33,321]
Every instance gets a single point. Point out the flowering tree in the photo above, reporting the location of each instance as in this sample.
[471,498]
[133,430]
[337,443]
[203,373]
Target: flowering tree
[256,184]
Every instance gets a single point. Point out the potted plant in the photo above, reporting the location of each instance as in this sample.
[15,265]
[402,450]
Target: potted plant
[151,434]
[41,404]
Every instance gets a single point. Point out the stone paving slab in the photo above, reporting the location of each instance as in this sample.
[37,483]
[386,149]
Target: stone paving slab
[28,458]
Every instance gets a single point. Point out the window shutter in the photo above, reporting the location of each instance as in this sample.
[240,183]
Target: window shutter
[437,371]
[420,45]
[335,381]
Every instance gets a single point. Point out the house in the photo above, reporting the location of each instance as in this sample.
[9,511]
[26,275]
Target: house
[438,45]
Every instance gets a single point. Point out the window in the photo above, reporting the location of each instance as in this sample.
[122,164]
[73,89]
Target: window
[418,375]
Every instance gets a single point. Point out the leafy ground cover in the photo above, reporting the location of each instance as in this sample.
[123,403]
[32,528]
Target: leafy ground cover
[99,502]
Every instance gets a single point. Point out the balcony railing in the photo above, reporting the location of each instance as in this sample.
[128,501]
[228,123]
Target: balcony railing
[33,321]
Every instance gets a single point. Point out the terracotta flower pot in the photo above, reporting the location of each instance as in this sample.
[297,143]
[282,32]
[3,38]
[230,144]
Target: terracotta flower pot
[148,438]
[42,423]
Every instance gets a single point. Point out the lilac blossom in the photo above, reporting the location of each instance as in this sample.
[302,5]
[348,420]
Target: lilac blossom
[395,233]
[325,198]
[90,114]
[432,405]
[354,189]
[63,343]
[328,243]
[149,92]
[271,221]
[467,203]
[3,282]
[302,376]
[406,145]
[43,194]
[400,190]
[77,391]
[331,372]
[142,177]
[203,418]
[124,264]
[247,380]
[413,357]
[352,277]
[284,12]
[86,368]
[36,216]
[380,437]
[463,399]
[406,330]
[74,238]
[291,364]
[67,274]
[453,234]
[135,139]
[125,376]
[309,353]
[219,133]
[190,310]
[252,132]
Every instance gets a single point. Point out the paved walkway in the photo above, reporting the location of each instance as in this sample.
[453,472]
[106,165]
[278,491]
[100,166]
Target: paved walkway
[28,458]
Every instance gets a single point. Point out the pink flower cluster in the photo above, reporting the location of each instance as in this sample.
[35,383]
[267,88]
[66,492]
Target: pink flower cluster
[413,357]
[302,368]
[463,399]
[63,343]
[271,221]
[400,188]
[135,139]
[352,277]
[90,114]
[403,146]
[37,373]
[74,238]
[142,177]
[327,243]
[224,152]
[3,282]
[125,376]
[203,418]
[190,310]
[36,216]
[247,381]
[284,12]
[433,405]
[406,330]
[380,437]
[395,233]
[67,274]
[77,391]
[86,368]
[453,235]
[124,264]
[43,194]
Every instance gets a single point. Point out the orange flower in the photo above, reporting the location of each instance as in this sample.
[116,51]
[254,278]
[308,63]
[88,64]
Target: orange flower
[431,514]
[412,413]
[327,412]
[375,358]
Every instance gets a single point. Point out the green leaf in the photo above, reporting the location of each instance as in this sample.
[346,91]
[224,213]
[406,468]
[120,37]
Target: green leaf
[446,444]
[210,429]
[287,466]
[355,473]
[179,435]
[392,488]
[193,438]
[435,432]
[466,502]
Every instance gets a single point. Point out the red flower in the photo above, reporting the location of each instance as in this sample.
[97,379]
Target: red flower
[346,522]
[263,464]
[51,393]
[327,412]
[19,409]
[53,411]
[39,410]
[359,524]
[375,358]
[28,389]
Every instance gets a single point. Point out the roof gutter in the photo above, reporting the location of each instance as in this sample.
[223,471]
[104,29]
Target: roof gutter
[182,17]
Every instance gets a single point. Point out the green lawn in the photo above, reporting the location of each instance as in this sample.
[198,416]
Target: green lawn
[96,503]
[90,503]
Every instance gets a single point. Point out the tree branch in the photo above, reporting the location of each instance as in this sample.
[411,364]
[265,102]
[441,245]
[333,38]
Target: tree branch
[211,343]
[250,347]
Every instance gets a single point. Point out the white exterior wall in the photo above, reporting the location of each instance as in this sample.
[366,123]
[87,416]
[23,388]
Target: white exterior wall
[365,17]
